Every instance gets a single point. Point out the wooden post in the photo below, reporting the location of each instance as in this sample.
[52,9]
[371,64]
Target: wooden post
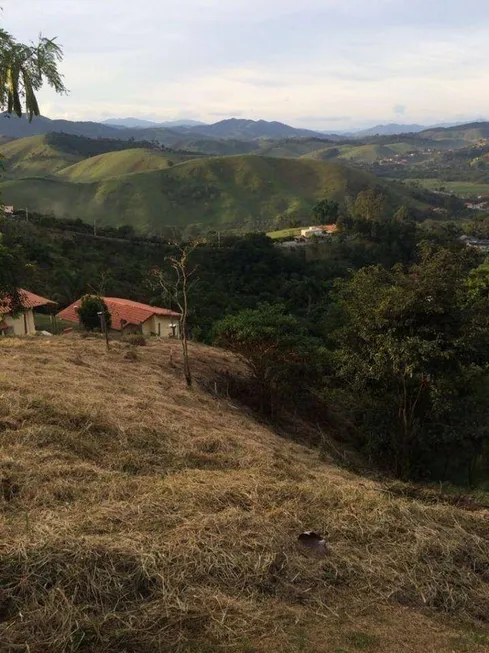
[105,331]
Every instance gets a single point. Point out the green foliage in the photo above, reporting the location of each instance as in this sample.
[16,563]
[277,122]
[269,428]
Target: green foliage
[326,211]
[10,269]
[370,205]
[284,360]
[412,356]
[23,71]
[88,311]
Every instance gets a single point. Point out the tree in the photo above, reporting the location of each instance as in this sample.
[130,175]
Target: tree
[89,310]
[10,266]
[283,358]
[412,356]
[326,211]
[175,281]
[23,71]
[370,205]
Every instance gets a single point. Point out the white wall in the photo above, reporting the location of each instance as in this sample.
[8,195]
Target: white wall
[22,324]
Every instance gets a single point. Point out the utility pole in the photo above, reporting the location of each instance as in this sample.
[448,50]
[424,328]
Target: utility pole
[95,227]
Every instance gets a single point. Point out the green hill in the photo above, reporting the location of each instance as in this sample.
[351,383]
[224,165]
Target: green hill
[241,192]
[35,155]
[472,132]
[368,153]
[112,164]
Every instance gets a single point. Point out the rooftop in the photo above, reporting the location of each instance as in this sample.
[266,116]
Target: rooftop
[28,300]
[121,310]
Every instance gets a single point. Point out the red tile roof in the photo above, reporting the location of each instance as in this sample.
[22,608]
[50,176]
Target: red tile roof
[121,309]
[28,300]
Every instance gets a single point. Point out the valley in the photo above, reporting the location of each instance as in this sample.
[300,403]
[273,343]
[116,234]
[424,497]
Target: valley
[235,176]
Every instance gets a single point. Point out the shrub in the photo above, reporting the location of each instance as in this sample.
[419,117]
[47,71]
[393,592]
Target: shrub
[135,339]
[89,310]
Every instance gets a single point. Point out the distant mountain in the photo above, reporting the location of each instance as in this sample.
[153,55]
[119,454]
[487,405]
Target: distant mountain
[389,130]
[137,123]
[251,130]
[130,123]
[20,127]
[470,133]
[236,129]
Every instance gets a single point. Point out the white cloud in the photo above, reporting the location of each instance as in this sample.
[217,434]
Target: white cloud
[265,58]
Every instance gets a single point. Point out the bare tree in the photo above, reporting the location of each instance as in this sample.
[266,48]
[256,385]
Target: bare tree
[175,281]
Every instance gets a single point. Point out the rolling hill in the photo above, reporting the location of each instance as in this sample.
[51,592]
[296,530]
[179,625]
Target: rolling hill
[35,155]
[240,192]
[49,154]
[113,164]
[465,134]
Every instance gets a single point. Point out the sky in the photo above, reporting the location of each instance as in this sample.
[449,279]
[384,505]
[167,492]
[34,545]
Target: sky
[321,64]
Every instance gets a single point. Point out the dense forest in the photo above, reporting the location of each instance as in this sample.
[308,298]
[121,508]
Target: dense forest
[382,330]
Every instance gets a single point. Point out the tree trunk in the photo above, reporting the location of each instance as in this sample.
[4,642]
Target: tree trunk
[186,363]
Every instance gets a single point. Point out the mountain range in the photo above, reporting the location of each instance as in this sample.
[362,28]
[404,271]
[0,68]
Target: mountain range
[137,123]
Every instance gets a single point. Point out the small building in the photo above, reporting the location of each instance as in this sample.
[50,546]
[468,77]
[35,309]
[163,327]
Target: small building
[320,231]
[8,210]
[132,317]
[22,322]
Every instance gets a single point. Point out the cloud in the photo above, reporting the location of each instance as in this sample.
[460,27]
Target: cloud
[273,59]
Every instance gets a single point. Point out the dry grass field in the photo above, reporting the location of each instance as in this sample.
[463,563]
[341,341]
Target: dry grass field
[137,516]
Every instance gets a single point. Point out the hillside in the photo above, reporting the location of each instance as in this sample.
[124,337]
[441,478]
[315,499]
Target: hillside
[146,517]
[471,133]
[113,164]
[35,155]
[241,192]
[46,155]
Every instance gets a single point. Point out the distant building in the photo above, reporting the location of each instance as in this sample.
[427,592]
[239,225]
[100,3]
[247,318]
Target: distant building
[477,243]
[482,206]
[320,231]
[21,323]
[133,317]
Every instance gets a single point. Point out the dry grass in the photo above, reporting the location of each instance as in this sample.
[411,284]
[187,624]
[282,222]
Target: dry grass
[138,516]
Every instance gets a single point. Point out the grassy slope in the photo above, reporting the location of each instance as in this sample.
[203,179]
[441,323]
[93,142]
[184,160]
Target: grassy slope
[231,192]
[141,516]
[113,164]
[368,153]
[34,156]
[462,188]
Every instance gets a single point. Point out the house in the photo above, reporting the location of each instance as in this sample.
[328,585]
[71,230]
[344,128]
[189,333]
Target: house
[21,323]
[132,317]
[319,231]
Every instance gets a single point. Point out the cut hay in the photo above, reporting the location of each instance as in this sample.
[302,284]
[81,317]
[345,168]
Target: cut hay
[139,516]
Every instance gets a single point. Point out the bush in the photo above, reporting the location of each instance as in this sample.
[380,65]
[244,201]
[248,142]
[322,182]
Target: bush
[135,339]
[89,310]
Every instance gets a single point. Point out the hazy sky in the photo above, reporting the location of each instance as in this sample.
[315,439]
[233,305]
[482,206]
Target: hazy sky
[329,64]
